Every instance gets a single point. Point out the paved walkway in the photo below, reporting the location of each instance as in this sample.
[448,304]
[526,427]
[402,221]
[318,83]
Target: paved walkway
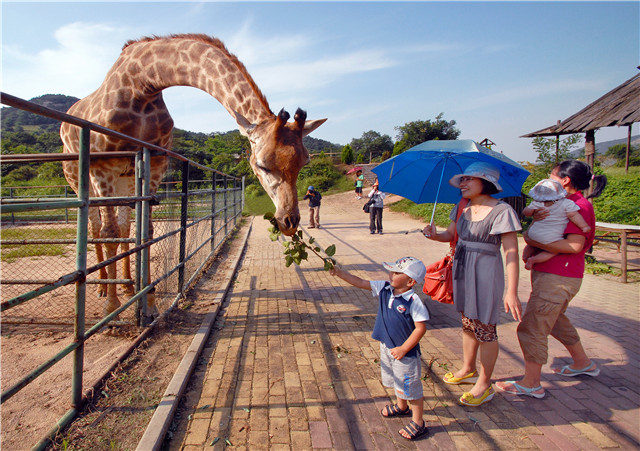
[291,364]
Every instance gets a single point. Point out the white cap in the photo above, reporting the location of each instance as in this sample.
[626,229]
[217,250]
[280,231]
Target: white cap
[410,266]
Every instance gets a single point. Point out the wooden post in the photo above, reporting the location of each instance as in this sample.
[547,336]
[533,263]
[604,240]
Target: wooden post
[589,152]
[626,161]
[623,251]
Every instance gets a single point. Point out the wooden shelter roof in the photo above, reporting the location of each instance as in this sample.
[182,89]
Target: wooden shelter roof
[620,106]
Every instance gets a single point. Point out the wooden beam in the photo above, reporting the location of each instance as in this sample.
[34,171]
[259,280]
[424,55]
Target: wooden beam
[589,152]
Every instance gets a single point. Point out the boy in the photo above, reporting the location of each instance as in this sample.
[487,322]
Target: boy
[399,326]
[314,206]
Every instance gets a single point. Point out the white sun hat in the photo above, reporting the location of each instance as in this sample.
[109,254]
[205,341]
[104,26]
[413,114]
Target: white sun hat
[481,170]
[547,190]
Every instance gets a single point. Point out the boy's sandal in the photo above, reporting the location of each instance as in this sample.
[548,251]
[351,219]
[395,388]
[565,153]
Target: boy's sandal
[414,431]
[393,410]
[590,370]
[470,378]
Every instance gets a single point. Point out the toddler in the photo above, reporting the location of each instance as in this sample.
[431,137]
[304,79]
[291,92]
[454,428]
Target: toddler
[551,195]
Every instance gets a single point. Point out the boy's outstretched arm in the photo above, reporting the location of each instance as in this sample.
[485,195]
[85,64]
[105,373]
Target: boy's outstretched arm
[350,278]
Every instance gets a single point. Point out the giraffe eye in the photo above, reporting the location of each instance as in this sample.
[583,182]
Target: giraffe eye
[261,167]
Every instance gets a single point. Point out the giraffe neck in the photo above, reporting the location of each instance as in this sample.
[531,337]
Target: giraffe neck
[149,66]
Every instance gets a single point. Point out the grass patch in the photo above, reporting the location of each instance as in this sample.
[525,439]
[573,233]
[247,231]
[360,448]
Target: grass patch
[258,205]
[424,211]
[12,252]
[37,234]
[257,202]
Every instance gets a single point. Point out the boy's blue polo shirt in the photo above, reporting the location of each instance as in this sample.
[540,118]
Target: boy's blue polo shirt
[396,316]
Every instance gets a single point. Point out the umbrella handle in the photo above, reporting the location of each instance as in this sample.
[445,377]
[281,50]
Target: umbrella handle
[435,204]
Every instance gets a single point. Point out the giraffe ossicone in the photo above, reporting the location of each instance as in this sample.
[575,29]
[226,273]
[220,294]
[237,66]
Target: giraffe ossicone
[129,100]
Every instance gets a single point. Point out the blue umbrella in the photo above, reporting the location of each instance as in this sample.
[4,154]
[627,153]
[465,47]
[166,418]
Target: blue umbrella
[422,173]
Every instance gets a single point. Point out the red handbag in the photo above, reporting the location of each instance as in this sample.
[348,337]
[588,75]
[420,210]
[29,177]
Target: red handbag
[438,282]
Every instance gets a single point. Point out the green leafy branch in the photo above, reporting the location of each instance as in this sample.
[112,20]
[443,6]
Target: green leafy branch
[297,249]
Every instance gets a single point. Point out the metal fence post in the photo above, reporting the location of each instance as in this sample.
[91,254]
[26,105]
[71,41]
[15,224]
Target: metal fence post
[138,225]
[226,214]
[184,205]
[81,266]
[243,187]
[13,218]
[66,210]
[213,211]
[146,218]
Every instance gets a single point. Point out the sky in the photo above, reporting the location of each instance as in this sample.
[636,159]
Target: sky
[499,69]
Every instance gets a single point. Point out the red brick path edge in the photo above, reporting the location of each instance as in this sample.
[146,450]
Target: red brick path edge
[290,363]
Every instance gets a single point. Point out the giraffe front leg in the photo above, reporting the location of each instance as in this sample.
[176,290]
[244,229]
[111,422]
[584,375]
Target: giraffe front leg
[152,308]
[95,224]
[124,225]
[110,230]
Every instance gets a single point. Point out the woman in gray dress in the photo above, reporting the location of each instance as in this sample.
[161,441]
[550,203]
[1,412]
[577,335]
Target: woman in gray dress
[479,282]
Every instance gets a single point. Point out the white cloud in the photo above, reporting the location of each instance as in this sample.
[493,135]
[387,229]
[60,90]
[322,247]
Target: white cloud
[76,66]
[530,91]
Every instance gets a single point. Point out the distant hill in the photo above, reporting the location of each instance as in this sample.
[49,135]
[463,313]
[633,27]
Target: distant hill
[602,147]
[13,118]
[315,145]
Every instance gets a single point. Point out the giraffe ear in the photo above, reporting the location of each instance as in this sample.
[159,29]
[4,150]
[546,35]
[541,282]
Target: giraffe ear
[310,126]
[246,127]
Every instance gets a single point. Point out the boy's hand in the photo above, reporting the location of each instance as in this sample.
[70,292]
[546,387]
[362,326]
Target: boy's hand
[397,353]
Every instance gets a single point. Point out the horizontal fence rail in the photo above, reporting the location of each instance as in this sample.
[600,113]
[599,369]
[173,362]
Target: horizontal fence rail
[191,220]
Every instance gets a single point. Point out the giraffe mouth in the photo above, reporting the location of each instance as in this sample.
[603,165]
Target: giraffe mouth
[288,224]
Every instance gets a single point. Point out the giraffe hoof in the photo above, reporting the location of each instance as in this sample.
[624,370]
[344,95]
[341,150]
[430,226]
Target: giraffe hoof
[128,290]
[111,306]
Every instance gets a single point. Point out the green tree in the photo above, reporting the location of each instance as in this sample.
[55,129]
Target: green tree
[619,152]
[548,157]
[552,151]
[371,145]
[347,154]
[416,132]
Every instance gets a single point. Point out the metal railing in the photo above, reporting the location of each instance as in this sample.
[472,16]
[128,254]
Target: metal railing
[195,217]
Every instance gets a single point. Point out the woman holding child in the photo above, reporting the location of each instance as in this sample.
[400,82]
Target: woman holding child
[554,283]
[478,286]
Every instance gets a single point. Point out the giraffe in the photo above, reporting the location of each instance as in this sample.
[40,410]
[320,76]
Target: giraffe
[129,100]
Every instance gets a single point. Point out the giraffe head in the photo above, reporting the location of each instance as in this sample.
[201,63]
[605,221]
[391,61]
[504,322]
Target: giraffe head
[277,155]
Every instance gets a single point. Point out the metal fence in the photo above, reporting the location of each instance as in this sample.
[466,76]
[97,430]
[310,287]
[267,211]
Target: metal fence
[50,274]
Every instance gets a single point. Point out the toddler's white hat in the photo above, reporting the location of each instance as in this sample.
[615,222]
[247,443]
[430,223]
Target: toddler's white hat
[547,190]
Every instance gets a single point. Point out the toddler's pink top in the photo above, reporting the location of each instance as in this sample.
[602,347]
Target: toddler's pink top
[572,265]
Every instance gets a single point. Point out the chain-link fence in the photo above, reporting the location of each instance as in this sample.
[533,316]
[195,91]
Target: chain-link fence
[39,246]
[53,271]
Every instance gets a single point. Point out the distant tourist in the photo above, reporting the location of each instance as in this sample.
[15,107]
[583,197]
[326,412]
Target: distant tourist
[376,197]
[359,183]
[314,206]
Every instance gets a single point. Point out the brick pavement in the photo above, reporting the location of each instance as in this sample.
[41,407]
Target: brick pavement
[291,364]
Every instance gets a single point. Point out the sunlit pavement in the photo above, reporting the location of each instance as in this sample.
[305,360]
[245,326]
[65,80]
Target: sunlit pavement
[291,363]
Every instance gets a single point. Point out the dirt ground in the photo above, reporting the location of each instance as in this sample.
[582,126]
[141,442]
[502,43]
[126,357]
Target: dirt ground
[118,414]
